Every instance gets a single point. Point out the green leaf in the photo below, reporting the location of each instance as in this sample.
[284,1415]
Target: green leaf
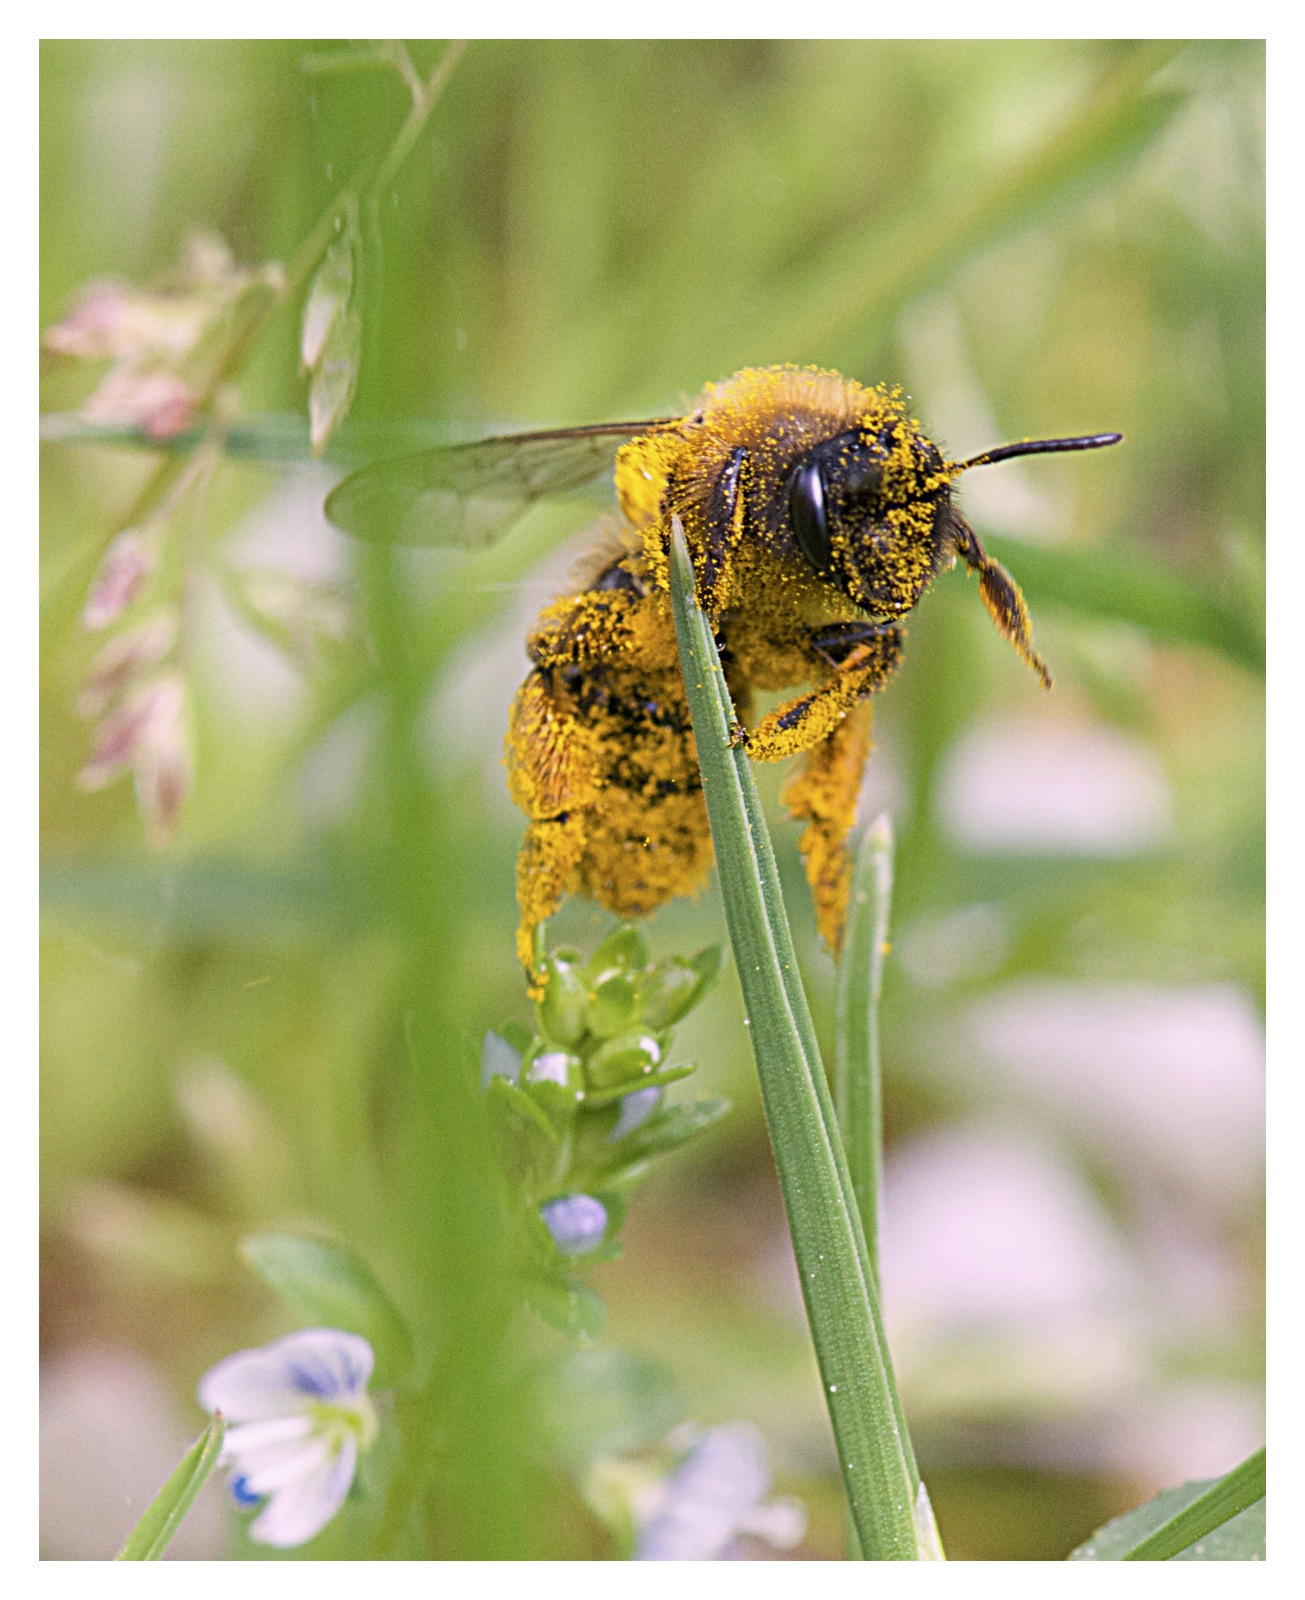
[327,1285]
[154,1532]
[858,1078]
[833,1266]
[648,1080]
[530,1138]
[670,1127]
[604,1401]
[1128,588]
[571,1308]
[1220,1519]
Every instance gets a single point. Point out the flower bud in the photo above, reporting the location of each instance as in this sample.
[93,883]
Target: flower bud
[562,1010]
[147,733]
[159,403]
[623,1060]
[326,301]
[670,992]
[121,658]
[163,763]
[120,577]
[576,1222]
[557,1079]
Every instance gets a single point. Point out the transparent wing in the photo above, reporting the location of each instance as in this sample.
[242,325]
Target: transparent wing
[469,494]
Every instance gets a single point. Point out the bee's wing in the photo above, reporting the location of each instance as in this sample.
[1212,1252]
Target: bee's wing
[469,494]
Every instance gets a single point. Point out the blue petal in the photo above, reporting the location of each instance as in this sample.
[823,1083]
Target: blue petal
[636,1108]
[313,1376]
[242,1494]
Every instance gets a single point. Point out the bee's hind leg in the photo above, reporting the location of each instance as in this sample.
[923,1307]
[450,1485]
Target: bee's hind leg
[823,794]
[546,864]
[551,766]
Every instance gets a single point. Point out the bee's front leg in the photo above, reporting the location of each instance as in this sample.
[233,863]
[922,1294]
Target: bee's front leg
[862,655]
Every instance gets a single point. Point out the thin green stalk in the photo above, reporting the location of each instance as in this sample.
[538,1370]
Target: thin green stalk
[858,1084]
[858,1080]
[837,1282]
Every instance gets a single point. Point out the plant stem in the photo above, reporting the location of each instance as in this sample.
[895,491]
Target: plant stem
[837,1282]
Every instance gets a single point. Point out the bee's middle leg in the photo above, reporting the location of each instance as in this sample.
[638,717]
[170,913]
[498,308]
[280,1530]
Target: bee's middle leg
[863,657]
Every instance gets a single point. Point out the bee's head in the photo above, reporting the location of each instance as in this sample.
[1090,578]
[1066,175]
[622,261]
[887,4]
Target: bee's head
[871,510]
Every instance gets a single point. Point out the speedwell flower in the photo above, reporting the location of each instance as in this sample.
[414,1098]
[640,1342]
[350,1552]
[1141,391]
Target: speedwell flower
[298,1413]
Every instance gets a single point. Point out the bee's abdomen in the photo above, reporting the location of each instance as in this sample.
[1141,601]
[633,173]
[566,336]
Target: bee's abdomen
[607,668]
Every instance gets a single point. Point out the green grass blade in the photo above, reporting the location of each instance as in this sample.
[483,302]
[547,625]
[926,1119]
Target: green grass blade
[1102,583]
[837,1283]
[1236,1490]
[858,1085]
[154,1532]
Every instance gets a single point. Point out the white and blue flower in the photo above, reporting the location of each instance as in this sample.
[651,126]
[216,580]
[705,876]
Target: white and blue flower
[297,1414]
[717,1493]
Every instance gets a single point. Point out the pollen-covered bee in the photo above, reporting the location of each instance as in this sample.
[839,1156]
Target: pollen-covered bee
[815,513]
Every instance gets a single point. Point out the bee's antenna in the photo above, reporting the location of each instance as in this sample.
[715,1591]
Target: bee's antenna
[1039,447]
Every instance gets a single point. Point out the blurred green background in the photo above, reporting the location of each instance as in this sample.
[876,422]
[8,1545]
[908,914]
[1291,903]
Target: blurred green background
[1032,237]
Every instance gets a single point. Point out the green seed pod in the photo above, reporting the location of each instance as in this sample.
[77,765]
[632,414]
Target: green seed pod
[669,992]
[562,1010]
[624,948]
[613,1004]
[622,1060]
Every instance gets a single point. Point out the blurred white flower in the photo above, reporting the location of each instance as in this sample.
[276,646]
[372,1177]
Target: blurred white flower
[298,1413]
[716,1494]
[1028,786]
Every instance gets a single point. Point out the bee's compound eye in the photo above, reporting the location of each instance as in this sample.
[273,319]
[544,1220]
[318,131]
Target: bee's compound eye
[806,512]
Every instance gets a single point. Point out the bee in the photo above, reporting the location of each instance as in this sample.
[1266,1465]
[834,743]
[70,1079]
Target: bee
[816,514]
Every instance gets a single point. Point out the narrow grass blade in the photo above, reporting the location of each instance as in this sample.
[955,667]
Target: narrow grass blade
[837,1282]
[858,1086]
[154,1532]
[1236,1490]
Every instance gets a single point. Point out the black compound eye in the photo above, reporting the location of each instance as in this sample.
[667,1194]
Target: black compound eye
[806,512]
